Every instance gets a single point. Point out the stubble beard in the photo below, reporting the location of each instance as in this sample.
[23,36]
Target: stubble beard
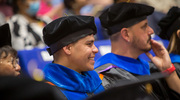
[148,43]
[136,44]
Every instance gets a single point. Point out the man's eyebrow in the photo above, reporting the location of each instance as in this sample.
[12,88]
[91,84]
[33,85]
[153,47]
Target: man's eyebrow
[145,24]
[90,40]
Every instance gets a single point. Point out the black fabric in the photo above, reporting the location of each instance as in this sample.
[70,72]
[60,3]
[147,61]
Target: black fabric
[126,24]
[162,90]
[177,66]
[37,37]
[69,39]
[131,90]
[5,38]
[170,23]
[121,83]
[16,29]
[64,27]
[123,93]
[13,88]
[125,14]
[59,92]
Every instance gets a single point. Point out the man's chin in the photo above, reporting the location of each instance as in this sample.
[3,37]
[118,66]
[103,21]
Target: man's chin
[91,68]
[147,49]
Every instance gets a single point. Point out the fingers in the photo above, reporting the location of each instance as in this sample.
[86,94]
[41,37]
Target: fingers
[149,55]
[157,48]
[156,45]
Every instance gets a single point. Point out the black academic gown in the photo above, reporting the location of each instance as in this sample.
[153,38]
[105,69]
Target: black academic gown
[160,90]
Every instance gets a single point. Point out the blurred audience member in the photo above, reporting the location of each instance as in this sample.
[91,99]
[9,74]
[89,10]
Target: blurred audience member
[8,56]
[19,88]
[45,6]
[170,30]
[73,7]
[95,7]
[26,28]
[118,1]
[51,8]
[2,19]
[160,5]
[6,9]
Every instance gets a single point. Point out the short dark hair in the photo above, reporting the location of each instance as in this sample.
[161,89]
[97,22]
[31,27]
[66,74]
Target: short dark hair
[13,4]
[7,50]
[68,3]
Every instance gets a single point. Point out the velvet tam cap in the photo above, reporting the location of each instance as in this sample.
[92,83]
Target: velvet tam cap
[66,30]
[5,38]
[170,23]
[124,15]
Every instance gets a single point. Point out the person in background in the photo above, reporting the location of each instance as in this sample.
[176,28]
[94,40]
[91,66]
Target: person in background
[26,27]
[6,9]
[51,8]
[2,19]
[95,7]
[45,6]
[170,30]
[8,56]
[73,7]
[5,12]
[130,36]
[71,42]
[19,88]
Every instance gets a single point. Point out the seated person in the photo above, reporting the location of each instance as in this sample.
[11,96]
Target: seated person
[8,56]
[73,7]
[170,30]
[13,87]
[130,36]
[71,42]
[26,27]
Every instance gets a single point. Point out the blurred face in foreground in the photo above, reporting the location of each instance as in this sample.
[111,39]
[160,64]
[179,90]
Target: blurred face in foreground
[9,66]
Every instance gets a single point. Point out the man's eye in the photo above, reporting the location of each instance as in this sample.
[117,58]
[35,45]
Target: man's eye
[89,44]
[144,27]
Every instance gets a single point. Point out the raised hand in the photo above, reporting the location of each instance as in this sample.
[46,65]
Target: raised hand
[162,59]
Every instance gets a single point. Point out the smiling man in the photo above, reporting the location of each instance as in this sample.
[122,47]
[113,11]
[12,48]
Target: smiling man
[71,42]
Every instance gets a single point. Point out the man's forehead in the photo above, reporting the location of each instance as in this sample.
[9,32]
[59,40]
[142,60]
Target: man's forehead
[141,23]
[88,38]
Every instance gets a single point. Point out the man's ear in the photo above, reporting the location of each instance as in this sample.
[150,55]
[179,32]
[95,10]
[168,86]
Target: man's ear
[67,49]
[178,33]
[125,35]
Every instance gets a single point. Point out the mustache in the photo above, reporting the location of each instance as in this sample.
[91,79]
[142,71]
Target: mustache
[149,39]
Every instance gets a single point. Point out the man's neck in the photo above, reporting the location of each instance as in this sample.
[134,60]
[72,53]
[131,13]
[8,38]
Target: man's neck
[65,62]
[126,51]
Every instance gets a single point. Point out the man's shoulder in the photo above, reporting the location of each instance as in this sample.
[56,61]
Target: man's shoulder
[102,67]
[103,60]
[110,74]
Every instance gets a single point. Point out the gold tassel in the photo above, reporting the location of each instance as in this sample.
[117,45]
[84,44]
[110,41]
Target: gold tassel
[128,1]
[65,14]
